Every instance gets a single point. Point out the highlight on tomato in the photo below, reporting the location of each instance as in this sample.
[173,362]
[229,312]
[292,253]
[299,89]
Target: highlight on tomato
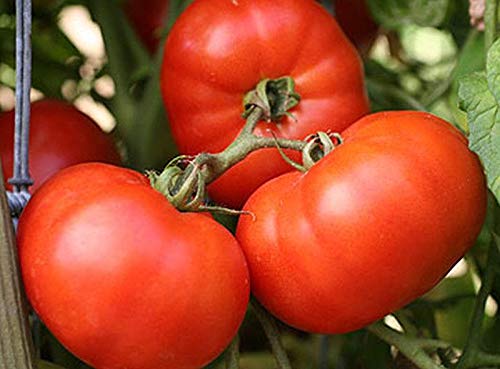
[218,51]
[60,136]
[122,278]
[369,228]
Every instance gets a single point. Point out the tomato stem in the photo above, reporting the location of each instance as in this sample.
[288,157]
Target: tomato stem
[270,101]
[244,144]
[185,188]
[273,335]
[472,353]
[233,354]
[410,347]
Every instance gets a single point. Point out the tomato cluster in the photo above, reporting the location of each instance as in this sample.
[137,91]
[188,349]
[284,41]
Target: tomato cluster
[124,279]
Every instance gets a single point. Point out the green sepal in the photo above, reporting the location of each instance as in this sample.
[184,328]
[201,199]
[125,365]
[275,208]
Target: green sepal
[275,97]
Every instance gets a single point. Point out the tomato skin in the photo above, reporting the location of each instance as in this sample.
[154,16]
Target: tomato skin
[147,17]
[372,226]
[60,136]
[356,21]
[122,278]
[218,50]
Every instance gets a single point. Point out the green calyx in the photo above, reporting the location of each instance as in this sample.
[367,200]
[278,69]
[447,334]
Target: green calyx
[275,97]
[183,183]
[318,146]
[183,187]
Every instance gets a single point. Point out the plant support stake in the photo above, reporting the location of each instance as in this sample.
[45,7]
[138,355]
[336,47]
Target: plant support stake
[21,179]
[16,348]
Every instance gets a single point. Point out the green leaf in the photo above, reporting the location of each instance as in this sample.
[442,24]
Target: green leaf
[395,13]
[493,70]
[479,97]
[471,59]
[476,99]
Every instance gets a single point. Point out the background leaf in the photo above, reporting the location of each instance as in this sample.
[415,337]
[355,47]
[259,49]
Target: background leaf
[393,14]
[479,96]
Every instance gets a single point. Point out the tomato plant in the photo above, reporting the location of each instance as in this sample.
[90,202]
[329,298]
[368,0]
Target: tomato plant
[60,136]
[148,18]
[120,277]
[372,226]
[219,50]
[369,228]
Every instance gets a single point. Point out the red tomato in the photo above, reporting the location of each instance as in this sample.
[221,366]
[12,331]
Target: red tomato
[370,227]
[356,21]
[60,136]
[147,18]
[119,276]
[218,50]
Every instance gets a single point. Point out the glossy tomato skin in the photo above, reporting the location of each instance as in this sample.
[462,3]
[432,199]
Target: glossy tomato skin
[356,21]
[147,18]
[372,226]
[122,278]
[219,50]
[60,136]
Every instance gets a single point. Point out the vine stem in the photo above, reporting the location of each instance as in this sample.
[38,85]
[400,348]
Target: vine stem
[472,354]
[412,348]
[233,354]
[244,144]
[490,23]
[484,360]
[324,345]
[184,179]
[273,335]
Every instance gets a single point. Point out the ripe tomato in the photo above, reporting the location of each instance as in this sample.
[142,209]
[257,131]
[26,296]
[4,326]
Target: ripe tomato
[218,50]
[372,226]
[356,21]
[147,18]
[60,136]
[119,276]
